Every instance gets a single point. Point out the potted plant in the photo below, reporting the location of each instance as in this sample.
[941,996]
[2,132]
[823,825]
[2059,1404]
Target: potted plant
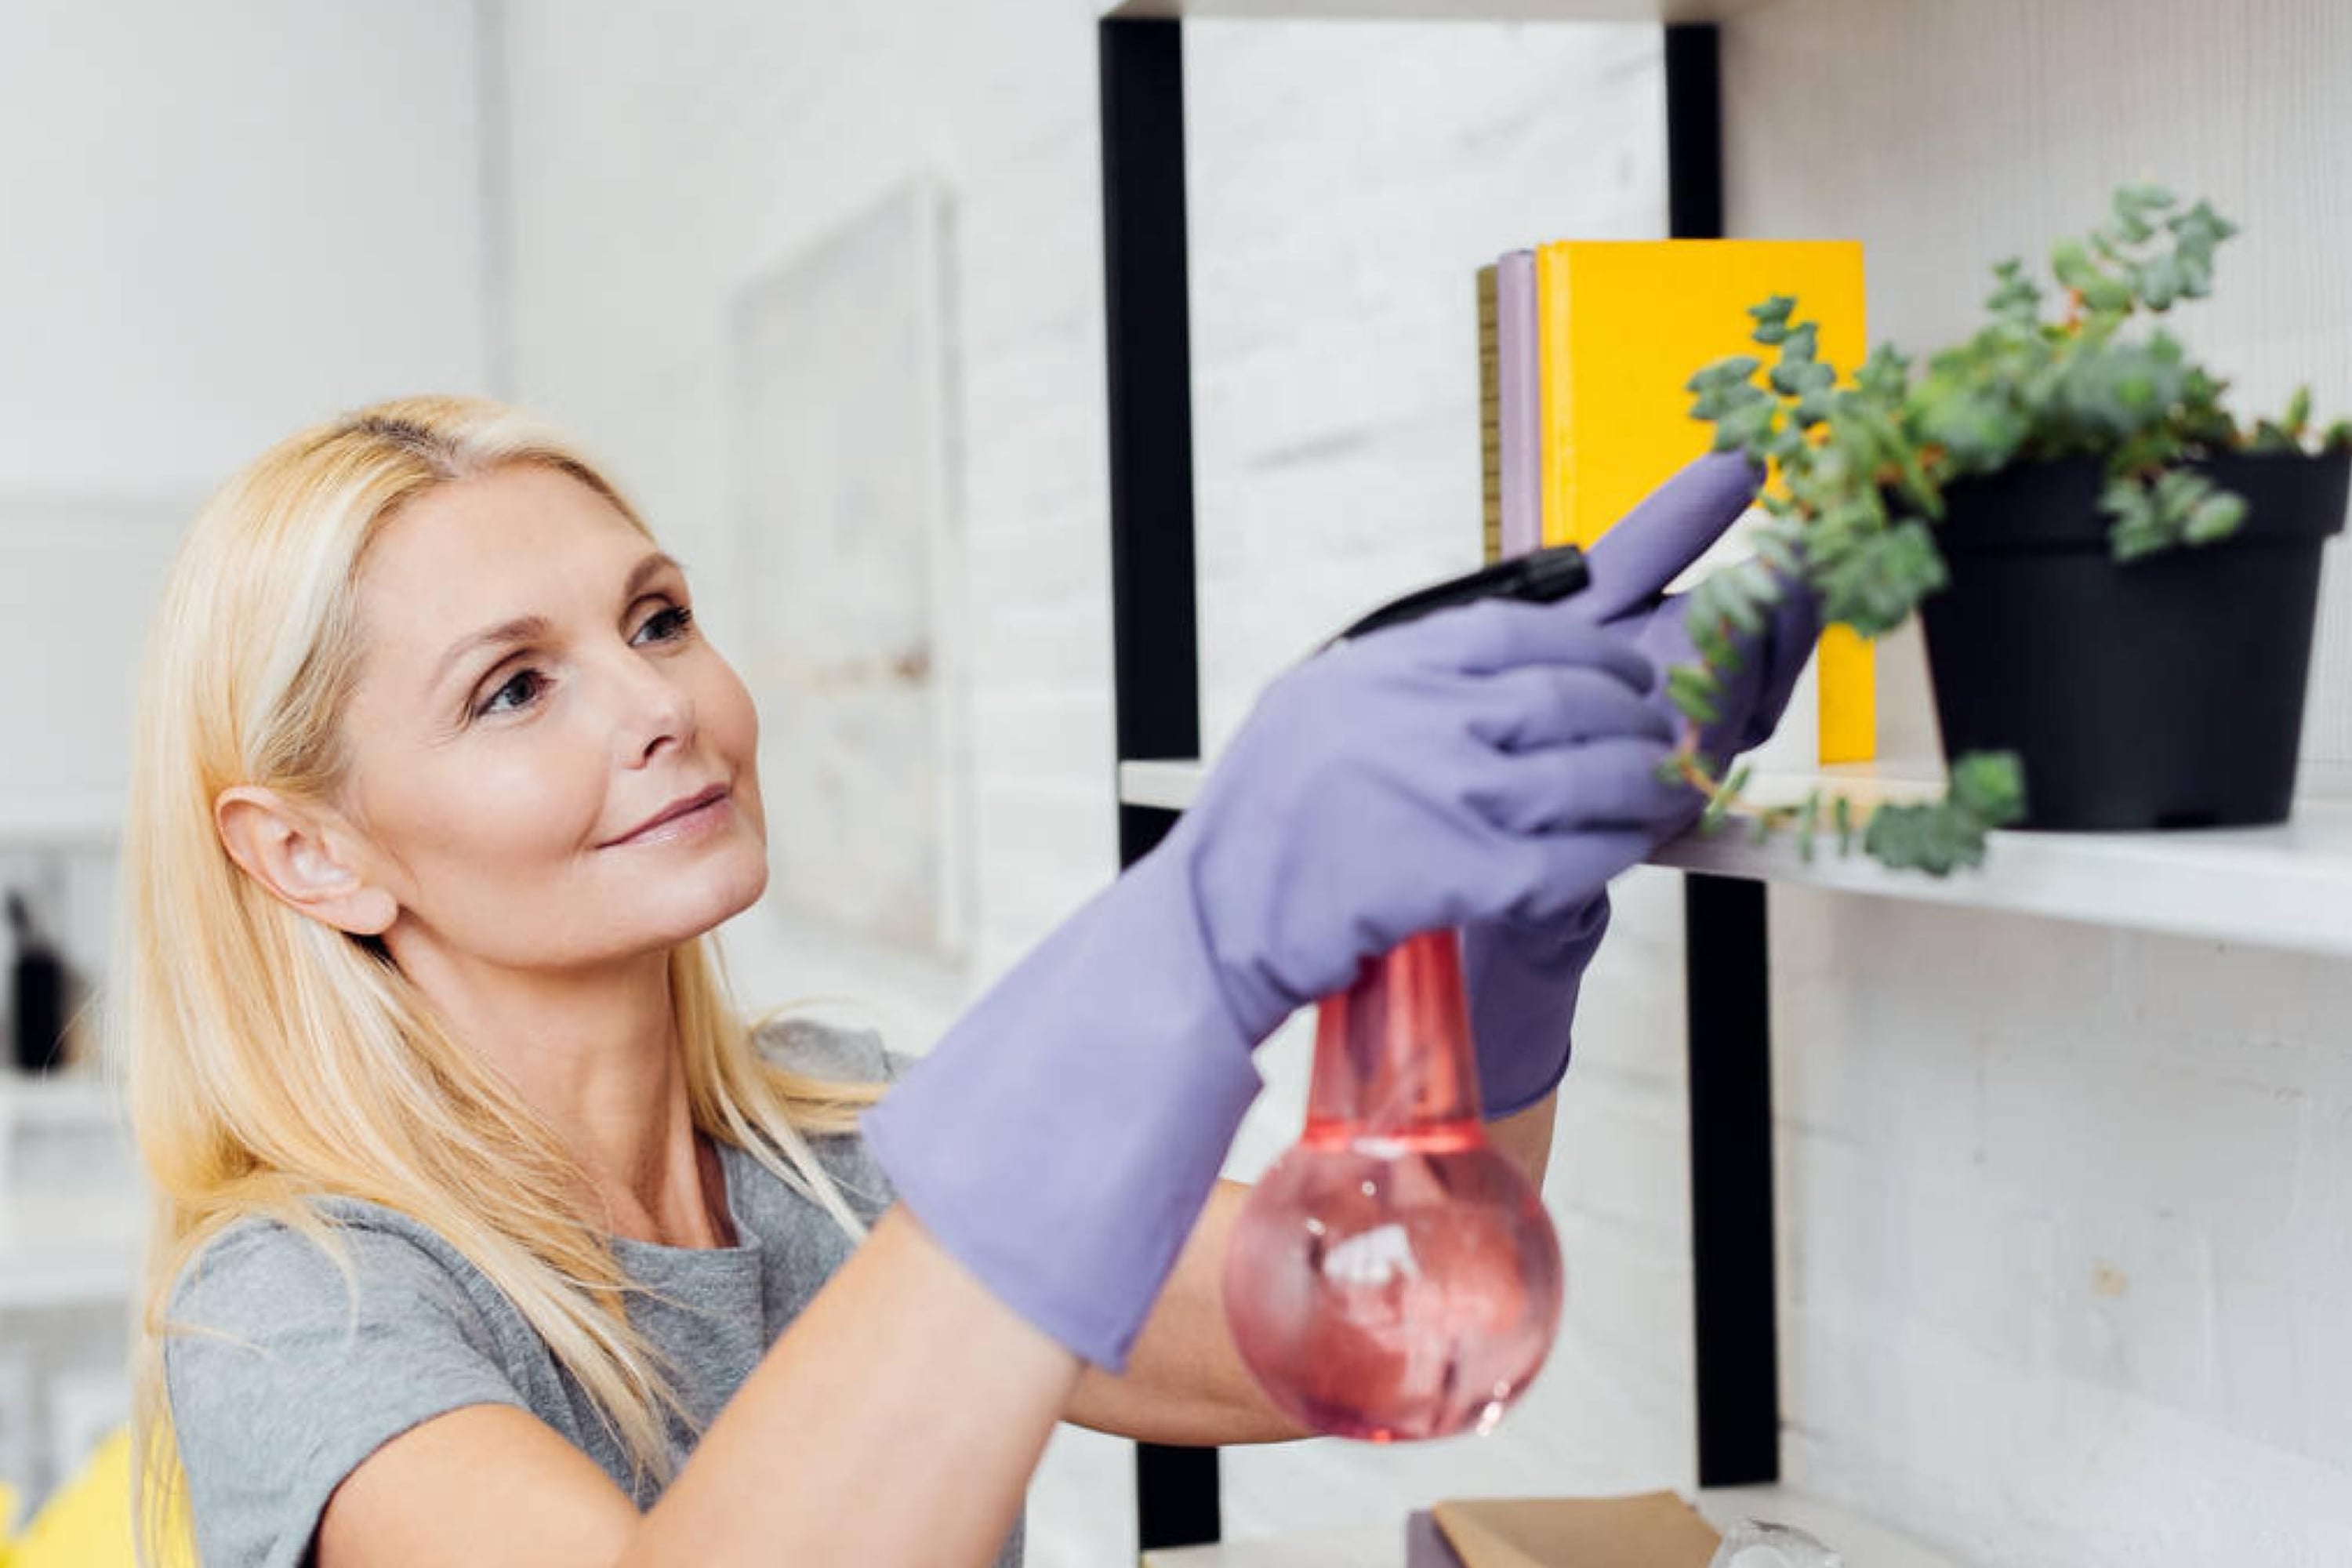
[2116,579]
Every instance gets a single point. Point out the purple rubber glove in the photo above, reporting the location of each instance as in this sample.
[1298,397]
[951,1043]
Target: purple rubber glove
[1523,975]
[1496,760]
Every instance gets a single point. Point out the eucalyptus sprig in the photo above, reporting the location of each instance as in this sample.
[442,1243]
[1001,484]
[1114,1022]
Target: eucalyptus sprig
[1863,464]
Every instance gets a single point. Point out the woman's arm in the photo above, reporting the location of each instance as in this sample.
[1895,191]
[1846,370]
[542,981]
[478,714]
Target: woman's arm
[1525,1137]
[896,1423]
[912,1404]
[1186,1382]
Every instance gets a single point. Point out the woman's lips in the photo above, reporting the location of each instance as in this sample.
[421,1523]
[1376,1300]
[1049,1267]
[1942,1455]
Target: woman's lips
[697,817]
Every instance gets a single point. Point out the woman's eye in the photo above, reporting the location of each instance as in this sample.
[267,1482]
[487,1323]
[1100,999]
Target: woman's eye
[519,690]
[666,624]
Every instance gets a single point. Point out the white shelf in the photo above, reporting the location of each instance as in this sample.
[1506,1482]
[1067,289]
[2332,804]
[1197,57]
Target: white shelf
[1330,1549]
[1863,1541]
[1441,10]
[57,1100]
[2285,886]
[1168,785]
[62,1250]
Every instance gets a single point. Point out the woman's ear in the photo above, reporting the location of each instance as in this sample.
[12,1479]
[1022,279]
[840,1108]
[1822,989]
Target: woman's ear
[290,852]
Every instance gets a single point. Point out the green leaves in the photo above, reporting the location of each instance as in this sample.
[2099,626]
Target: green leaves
[1694,688]
[2176,507]
[1987,791]
[2072,265]
[1773,318]
[1863,466]
[2286,434]
[1873,584]
[2016,300]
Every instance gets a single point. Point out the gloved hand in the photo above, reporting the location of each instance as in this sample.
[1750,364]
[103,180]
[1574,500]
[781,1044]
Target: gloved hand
[1495,760]
[1522,975]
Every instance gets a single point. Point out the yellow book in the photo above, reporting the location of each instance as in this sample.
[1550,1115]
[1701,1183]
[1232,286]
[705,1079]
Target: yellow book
[1621,327]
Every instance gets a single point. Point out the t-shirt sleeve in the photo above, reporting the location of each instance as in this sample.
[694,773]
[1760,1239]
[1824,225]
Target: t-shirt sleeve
[831,1051]
[840,1055]
[284,1375]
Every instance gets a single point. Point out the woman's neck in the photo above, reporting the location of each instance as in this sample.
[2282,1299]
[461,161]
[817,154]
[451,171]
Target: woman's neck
[598,1055]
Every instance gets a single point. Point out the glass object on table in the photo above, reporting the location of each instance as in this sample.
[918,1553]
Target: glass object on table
[1755,1543]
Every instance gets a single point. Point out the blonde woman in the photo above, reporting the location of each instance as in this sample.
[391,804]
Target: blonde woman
[489,1234]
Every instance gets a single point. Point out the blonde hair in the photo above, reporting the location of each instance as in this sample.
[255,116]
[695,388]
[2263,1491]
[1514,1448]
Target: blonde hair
[273,1060]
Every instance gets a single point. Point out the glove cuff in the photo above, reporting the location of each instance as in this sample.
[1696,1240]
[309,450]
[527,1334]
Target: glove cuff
[1523,982]
[1061,1139]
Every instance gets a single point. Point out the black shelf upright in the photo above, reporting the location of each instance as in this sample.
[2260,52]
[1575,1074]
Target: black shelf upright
[1155,651]
[1155,639]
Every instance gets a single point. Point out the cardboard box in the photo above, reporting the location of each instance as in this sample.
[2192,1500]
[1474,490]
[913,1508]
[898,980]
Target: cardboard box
[1651,1530]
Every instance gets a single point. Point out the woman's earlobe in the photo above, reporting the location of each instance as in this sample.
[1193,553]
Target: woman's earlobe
[370,912]
[287,850]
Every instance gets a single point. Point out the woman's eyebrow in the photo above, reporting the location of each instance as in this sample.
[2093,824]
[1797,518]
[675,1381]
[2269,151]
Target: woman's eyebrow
[645,571]
[522,628]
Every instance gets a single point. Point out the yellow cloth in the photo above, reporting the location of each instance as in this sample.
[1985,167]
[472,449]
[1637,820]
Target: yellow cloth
[87,1523]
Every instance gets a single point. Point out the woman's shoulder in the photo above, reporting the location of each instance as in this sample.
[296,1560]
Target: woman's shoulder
[295,1347]
[345,1257]
[837,1053]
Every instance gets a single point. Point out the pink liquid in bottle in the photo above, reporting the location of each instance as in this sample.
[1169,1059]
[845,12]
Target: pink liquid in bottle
[1393,1277]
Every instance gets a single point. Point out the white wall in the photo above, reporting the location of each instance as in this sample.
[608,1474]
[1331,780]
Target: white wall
[2066,1251]
[2063,1211]
[223,222]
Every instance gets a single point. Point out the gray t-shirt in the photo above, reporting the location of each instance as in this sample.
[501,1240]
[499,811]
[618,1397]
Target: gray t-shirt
[291,1379]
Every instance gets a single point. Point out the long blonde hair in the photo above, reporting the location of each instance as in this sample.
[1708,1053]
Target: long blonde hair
[273,1060]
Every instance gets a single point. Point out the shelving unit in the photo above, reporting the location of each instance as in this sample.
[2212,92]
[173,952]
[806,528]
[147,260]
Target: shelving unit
[1156,668]
[57,1250]
[1861,1540]
[74,1247]
[2288,886]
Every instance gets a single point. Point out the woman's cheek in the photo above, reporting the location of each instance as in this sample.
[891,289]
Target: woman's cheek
[733,723]
[531,800]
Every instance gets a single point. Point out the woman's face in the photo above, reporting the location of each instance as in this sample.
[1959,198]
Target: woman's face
[549,766]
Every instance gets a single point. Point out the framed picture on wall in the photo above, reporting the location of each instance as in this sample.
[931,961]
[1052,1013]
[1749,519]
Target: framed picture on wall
[852,638]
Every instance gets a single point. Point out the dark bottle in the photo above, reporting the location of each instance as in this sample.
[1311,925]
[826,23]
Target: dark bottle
[36,994]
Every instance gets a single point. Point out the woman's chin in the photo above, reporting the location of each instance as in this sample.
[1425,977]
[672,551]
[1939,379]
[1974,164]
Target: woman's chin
[696,901]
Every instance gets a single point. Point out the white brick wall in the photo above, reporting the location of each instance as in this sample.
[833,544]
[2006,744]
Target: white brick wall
[2064,1212]
[222,221]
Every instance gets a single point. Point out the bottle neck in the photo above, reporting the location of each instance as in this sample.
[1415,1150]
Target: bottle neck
[1392,1052]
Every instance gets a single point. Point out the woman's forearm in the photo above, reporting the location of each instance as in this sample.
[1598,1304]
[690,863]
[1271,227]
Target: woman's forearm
[1525,1136]
[897,1423]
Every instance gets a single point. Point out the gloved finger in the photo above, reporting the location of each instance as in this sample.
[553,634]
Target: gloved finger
[1551,705]
[1600,785]
[1794,627]
[1756,694]
[1674,525]
[1559,871]
[1497,634]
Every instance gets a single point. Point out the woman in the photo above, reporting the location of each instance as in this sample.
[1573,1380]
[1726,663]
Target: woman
[487,1232]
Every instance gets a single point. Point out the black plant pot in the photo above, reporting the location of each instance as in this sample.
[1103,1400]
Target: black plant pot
[2163,692]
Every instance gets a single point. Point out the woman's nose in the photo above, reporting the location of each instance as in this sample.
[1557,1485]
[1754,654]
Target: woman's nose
[654,712]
